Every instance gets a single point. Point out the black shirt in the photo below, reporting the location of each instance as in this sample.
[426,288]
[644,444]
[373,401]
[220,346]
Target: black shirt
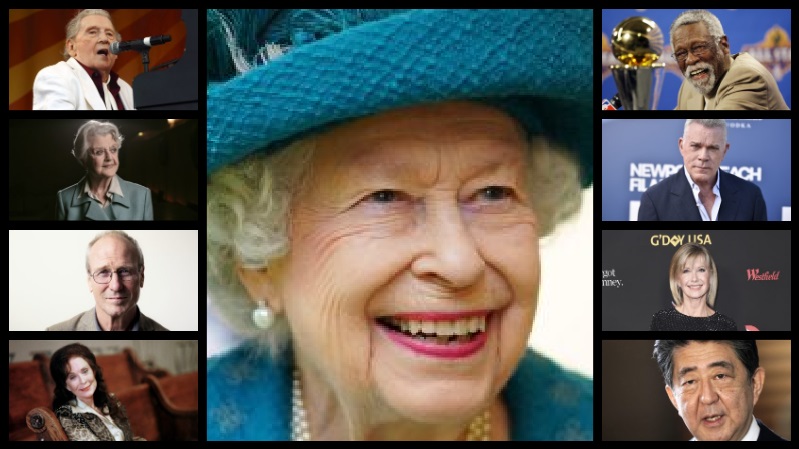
[672,320]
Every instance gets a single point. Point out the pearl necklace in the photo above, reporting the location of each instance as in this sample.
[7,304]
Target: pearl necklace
[479,428]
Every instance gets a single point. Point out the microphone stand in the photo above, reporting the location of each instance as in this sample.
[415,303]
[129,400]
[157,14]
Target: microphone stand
[145,58]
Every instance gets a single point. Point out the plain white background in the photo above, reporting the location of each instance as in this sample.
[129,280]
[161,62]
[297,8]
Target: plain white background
[47,277]
[564,322]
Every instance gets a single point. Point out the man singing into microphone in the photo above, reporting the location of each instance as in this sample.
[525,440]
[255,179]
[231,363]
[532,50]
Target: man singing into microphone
[85,79]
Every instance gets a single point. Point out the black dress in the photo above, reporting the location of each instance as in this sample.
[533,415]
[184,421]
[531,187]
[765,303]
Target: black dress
[672,320]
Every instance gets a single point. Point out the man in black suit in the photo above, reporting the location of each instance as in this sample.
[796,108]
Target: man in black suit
[700,191]
[714,385]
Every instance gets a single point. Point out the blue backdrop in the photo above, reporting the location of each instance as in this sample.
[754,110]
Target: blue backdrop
[750,30]
[637,153]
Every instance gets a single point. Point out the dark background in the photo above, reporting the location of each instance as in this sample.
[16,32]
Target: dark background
[643,270]
[154,154]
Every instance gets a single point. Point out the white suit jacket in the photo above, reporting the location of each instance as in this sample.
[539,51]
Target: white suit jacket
[66,85]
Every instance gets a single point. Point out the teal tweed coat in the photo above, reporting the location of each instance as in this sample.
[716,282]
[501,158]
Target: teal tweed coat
[249,398]
[136,204]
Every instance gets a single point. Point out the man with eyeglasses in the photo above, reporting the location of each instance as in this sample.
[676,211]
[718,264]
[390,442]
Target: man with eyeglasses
[115,269]
[715,79]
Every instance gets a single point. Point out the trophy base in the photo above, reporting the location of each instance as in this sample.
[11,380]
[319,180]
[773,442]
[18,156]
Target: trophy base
[635,85]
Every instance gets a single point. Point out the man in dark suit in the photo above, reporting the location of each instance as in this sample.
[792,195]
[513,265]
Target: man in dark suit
[714,385]
[767,434]
[700,191]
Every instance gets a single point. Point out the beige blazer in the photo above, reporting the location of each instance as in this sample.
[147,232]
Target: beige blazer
[66,85]
[747,85]
[86,321]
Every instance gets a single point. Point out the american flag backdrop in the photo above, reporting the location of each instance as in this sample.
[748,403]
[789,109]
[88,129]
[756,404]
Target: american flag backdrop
[36,38]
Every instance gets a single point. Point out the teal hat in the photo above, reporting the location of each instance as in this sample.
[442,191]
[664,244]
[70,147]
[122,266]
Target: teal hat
[275,75]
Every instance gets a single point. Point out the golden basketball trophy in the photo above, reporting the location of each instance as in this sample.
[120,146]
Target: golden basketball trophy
[637,43]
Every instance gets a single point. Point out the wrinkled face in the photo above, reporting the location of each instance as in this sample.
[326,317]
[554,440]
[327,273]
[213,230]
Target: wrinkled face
[120,295]
[91,46]
[80,379]
[694,280]
[103,155]
[702,151]
[705,60]
[414,268]
[712,391]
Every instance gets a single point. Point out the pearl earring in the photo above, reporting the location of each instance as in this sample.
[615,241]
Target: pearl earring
[262,316]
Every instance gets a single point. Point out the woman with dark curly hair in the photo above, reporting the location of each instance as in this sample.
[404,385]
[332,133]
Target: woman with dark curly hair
[82,403]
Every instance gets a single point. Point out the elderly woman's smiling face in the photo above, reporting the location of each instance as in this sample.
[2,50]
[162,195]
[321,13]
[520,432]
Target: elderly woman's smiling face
[412,222]
[103,155]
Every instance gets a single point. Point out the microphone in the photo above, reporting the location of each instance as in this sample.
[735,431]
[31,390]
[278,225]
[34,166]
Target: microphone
[139,44]
[612,104]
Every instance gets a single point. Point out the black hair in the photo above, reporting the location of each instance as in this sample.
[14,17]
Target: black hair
[746,350]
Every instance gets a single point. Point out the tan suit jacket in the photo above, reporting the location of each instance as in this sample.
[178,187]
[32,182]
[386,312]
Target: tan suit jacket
[86,321]
[747,85]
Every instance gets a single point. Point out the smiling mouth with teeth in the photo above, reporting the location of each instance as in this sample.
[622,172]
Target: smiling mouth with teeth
[698,72]
[440,332]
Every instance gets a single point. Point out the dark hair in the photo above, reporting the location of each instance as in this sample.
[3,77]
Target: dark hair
[59,370]
[746,350]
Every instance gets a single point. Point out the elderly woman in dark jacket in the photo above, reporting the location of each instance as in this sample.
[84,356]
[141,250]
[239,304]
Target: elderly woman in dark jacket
[82,403]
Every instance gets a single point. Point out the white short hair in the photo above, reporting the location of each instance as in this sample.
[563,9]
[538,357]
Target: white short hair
[80,146]
[712,23]
[73,27]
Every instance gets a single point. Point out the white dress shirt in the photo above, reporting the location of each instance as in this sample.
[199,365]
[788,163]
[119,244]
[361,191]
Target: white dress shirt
[716,203]
[752,435]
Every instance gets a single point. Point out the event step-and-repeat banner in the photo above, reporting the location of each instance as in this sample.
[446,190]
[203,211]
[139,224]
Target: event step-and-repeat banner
[638,153]
[754,276]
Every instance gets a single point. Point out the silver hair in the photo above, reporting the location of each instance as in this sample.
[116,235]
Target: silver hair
[708,123]
[695,16]
[122,235]
[248,213]
[73,27]
[80,146]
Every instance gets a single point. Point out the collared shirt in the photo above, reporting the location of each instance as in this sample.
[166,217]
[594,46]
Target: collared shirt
[112,101]
[114,189]
[132,329]
[116,432]
[752,435]
[716,203]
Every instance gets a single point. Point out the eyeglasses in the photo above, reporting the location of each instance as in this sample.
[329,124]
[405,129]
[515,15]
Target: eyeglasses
[123,274]
[698,50]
